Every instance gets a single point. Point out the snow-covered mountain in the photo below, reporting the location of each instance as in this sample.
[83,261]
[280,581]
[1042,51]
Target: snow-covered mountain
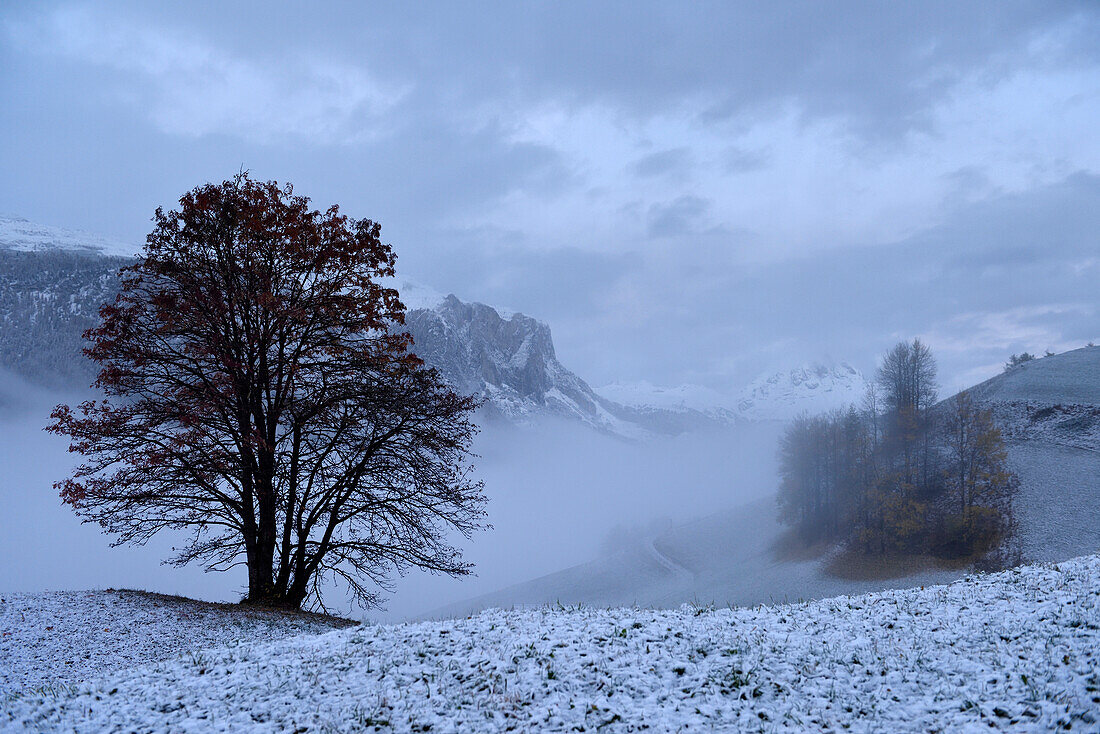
[22,235]
[52,281]
[813,388]
[510,361]
[643,394]
[778,396]
[508,358]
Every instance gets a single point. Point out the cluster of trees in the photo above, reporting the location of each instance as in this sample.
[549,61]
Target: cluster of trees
[1018,359]
[903,473]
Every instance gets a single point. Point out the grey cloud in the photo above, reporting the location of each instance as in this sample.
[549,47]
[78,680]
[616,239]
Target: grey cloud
[674,162]
[1017,255]
[674,306]
[558,285]
[680,216]
[962,284]
[882,65]
[740,160]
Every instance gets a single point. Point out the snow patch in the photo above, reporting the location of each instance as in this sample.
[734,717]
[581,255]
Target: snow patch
[643,394]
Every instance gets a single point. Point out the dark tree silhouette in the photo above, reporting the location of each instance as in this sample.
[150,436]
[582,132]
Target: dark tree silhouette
[260,396]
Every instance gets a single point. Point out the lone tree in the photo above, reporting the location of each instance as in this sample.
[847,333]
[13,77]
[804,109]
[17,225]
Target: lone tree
[261,397]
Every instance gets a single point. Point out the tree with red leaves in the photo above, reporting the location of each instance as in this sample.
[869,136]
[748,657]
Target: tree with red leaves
[260,396]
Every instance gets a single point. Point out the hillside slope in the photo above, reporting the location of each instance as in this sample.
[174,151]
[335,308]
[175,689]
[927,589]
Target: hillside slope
[1054,400]
[1019,648]
[62,638]
[729,559]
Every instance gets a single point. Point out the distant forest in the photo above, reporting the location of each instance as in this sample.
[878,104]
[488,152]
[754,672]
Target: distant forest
[47,300]
[903,473]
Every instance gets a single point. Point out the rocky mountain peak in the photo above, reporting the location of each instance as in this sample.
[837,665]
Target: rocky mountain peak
[475,347]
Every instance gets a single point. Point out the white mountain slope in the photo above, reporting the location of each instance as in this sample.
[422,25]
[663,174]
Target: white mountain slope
[813,388]
[22,235]
[510,362]
[778,396]
[504,356]
[52,282]
[509,359]
[1017,650]
[643,394]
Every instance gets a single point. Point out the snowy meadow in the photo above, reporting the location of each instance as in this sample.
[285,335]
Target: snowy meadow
[1019,649]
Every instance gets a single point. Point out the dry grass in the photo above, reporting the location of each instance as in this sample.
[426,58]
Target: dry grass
[857,566]
[790,547]
[243,611]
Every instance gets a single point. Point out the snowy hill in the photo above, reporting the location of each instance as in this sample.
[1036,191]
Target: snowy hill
[1054,399]
[1017,649]
[1069,378]
[61,638]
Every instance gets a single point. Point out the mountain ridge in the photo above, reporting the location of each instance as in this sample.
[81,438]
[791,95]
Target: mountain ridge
[52,281]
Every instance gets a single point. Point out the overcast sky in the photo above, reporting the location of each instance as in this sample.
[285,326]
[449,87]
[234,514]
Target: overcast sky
[686,192]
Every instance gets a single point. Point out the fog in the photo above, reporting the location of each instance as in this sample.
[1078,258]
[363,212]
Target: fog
[43,543]
[559,494]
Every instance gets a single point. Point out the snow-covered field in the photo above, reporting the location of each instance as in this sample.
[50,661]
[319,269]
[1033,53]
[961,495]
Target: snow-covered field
[53,640]
[1019,648]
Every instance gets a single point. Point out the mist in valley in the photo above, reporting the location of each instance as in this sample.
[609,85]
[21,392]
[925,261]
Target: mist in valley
[560,494]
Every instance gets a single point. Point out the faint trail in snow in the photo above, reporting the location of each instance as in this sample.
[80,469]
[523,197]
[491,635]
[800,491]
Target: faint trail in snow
[667,563]
[1078,448]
